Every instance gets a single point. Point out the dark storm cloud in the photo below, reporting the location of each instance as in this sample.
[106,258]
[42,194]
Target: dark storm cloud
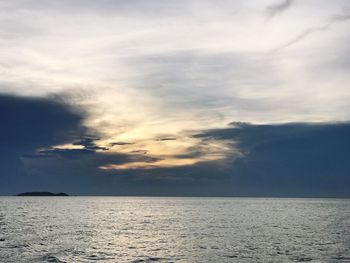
[81,174]
[29,129]
[28,124]
[275,9]
[78,174]
[294,159]
[289,159]
[31,122]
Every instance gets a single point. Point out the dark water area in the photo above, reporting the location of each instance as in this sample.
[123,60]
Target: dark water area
[142,229]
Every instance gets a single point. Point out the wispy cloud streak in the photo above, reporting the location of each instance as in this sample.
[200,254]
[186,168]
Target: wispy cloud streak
[276,9]
[309,31]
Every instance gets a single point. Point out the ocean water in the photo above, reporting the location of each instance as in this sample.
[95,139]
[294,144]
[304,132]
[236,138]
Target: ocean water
[130,229]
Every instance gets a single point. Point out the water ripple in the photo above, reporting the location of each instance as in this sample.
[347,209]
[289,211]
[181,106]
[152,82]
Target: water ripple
[111,229]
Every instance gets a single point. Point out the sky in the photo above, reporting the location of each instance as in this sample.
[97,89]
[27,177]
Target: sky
[187,97]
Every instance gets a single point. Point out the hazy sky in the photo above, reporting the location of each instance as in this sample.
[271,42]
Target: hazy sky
[142,78]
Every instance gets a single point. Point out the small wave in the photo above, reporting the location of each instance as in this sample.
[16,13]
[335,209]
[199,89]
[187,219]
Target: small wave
[20,246]
[342,258]
[53,259]
[230,256]
[149,259]
[302,259]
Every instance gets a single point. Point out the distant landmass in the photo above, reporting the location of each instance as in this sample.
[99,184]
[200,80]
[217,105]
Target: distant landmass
[42,194]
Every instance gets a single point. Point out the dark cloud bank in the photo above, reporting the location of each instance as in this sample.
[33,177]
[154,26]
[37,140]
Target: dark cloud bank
[291,160]
[26,125]
[295,159]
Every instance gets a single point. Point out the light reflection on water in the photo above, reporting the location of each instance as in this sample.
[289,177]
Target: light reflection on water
[132,229]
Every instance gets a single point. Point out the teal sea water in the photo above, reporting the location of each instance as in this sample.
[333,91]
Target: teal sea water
[142,229]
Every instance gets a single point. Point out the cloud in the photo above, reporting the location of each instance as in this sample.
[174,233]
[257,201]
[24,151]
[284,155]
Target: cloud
[312,30]
[278,8]
[120,143]
[45,146]
[140,151]
[166,139]
[88,143]
[204,84]
[68,153]
[302,36]
[31,123]
[178,74]
[201,64]
[295,159]
[290,160]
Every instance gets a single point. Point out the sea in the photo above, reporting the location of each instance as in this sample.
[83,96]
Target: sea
[173,229]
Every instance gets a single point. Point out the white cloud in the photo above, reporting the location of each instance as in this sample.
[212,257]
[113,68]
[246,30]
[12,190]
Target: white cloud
[153,67]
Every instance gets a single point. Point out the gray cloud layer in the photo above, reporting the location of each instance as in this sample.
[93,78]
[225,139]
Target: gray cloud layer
[278,8]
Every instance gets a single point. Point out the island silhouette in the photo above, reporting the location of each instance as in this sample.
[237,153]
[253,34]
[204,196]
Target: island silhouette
[42,194]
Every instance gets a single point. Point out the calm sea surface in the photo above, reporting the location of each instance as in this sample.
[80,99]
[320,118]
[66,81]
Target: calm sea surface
[128,229]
